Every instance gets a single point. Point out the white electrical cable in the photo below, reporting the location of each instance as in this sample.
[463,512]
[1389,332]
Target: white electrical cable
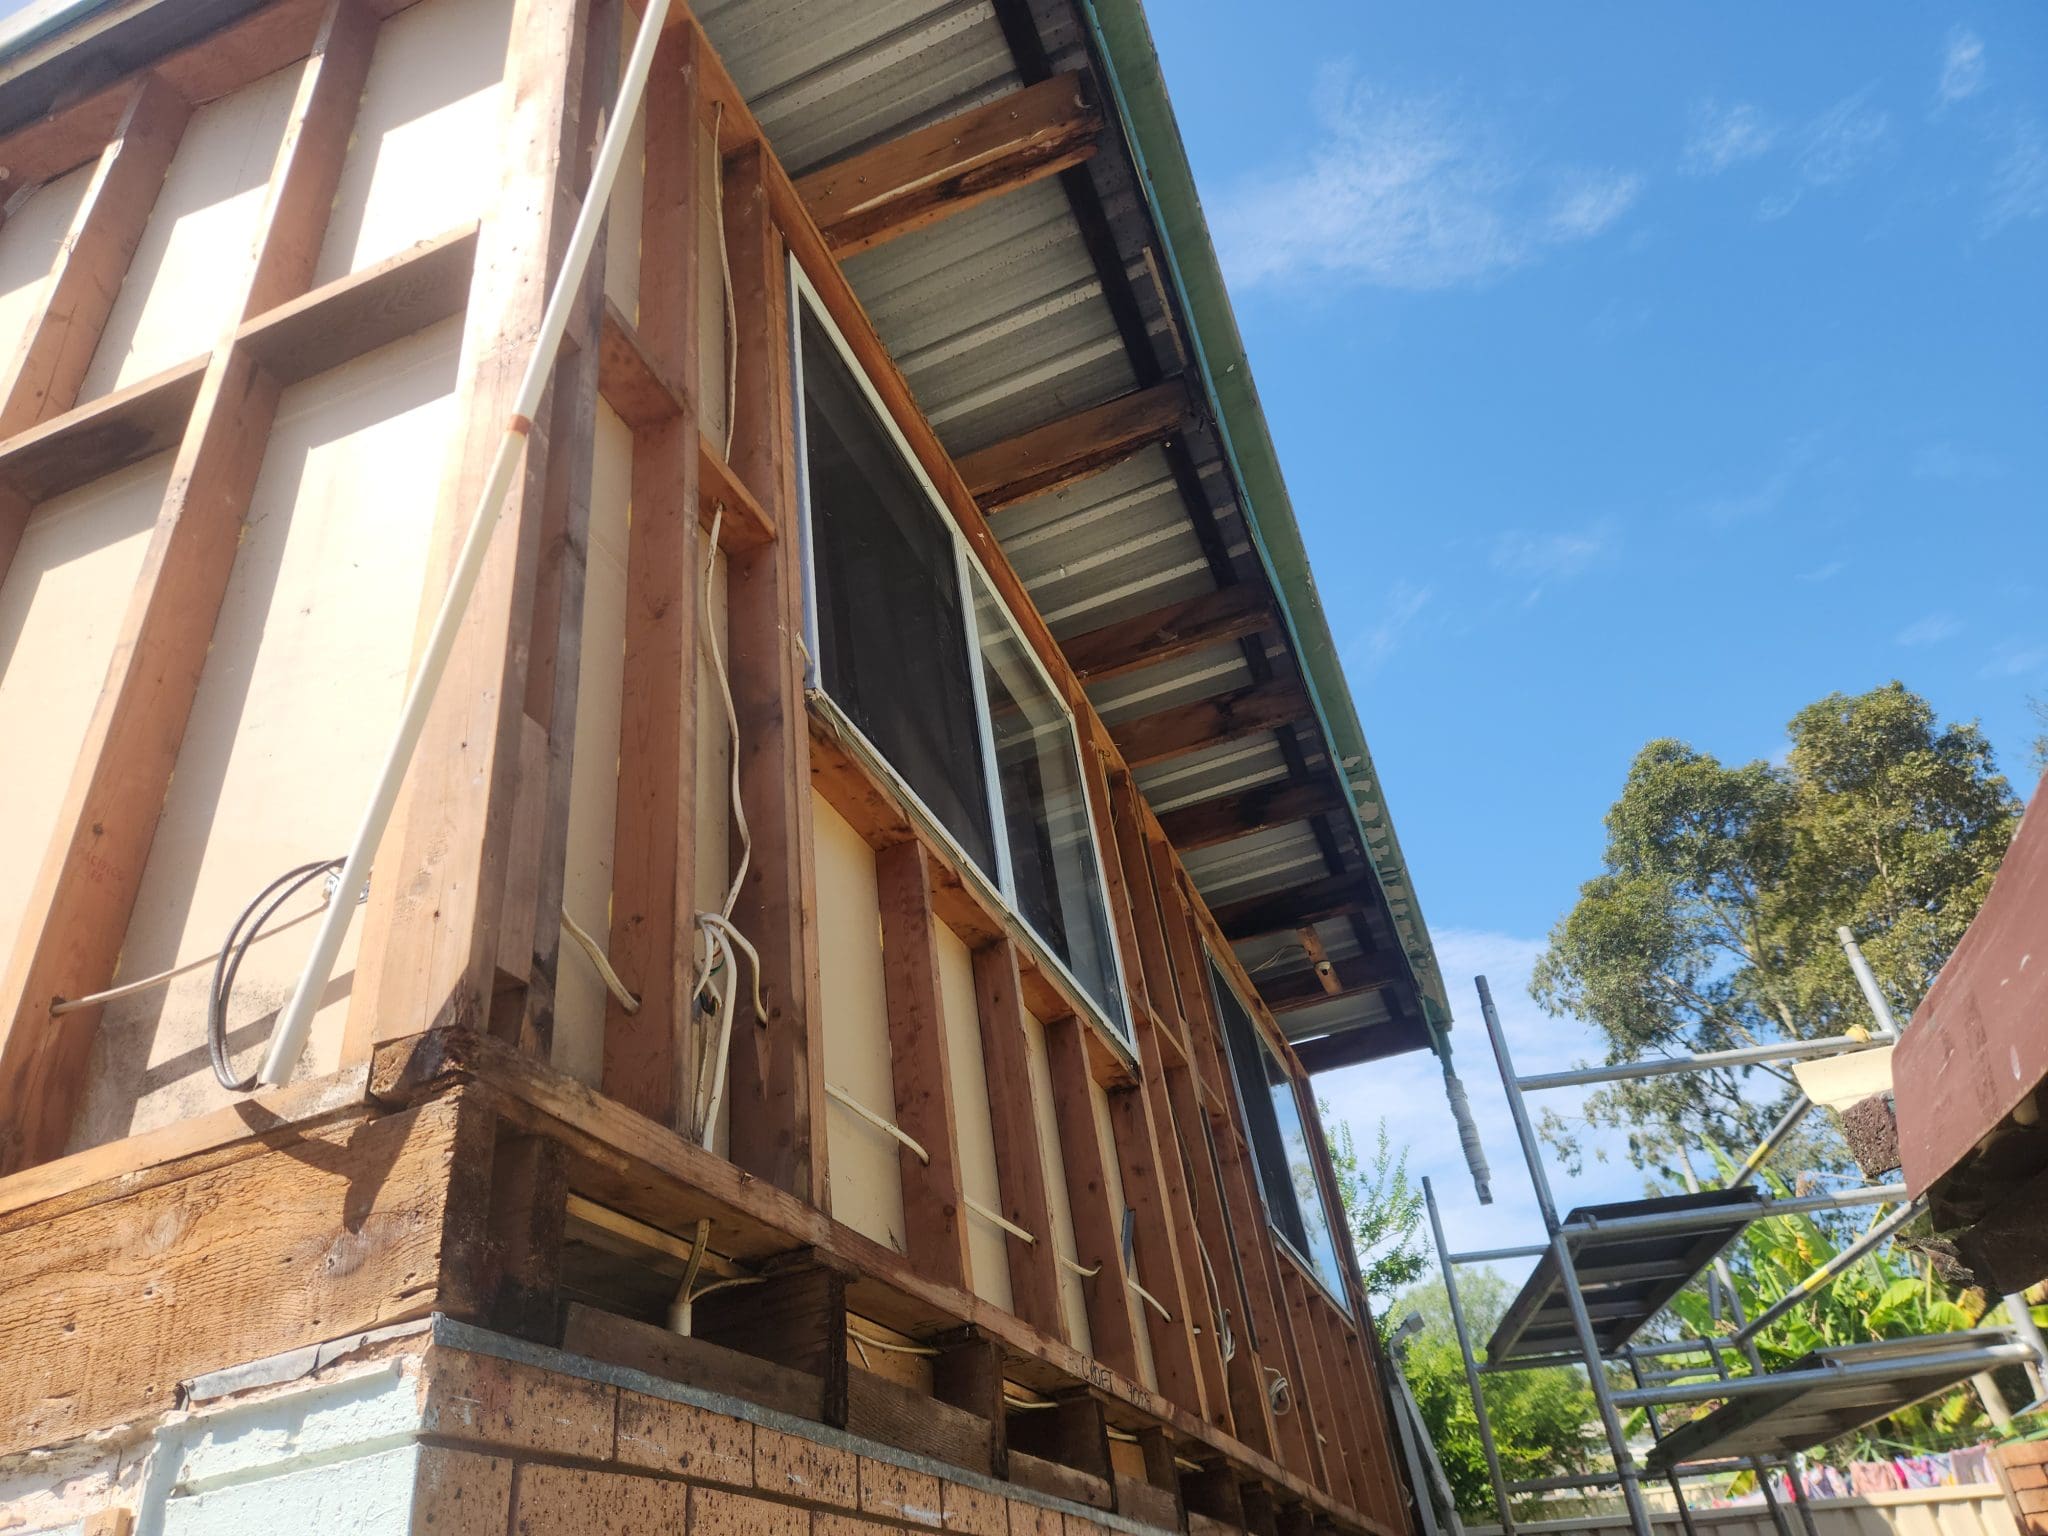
[889,1127]
[1147,1297]
[296,1021]
[723,941]
[625,999]
[997,1219]
[890,1344]
[1227,1340]
[164,978]
[1088,1272]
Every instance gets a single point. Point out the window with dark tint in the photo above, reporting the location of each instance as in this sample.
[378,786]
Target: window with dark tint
[1058,884]
[893,644]
[1281,1150]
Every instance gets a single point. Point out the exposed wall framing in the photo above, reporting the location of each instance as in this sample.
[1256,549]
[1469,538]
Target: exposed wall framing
[495,1185]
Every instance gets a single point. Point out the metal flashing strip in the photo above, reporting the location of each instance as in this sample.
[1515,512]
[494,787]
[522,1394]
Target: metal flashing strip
[453,1334]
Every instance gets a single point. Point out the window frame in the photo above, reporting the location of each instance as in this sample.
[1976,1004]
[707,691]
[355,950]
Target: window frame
[1112,1018]
[1219,977]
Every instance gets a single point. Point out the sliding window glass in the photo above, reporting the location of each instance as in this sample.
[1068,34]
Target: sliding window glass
[913,648]
[1056,881]
[1281,1150]
[893,648]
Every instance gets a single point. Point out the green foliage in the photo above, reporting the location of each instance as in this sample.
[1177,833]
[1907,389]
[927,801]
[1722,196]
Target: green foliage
[2039,746]
[1382,1207]
[1713,923]
[1889,1294]
[1545,1423]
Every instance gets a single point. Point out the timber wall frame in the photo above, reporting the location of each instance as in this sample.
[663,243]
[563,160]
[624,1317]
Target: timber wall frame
[445,1080]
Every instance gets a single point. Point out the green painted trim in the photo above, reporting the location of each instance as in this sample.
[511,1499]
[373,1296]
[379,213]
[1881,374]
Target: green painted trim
[1124,44]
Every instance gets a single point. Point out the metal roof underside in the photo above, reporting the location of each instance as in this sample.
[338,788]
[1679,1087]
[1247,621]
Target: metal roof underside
[1004,317]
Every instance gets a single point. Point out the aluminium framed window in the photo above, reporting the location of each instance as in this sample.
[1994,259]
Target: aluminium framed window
[1283,1156]
[915,655]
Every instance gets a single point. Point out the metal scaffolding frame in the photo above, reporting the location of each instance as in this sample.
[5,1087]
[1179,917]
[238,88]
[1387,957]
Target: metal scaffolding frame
[1982,1348]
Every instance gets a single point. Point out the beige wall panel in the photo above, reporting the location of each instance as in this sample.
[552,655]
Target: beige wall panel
[1073,1298]
[867,1189]
[292,719]
[594,777]
[973,1128]
[427,144]
[199,246]
[1105,1130]
[61,606]
[29,241]
[712,380]
[712,827]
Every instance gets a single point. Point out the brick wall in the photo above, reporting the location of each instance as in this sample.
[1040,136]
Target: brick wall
[522,1450]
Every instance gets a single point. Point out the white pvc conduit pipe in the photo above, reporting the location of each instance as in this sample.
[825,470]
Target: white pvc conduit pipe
[297,1019]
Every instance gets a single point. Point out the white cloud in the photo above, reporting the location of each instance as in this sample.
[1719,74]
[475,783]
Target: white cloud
[1744,505]
[1842,140]
[1409,192]
[1726,135]
[1403,606]
[1962,68]
[2017,658]
[1950,461]
[1931,630]
[1408,1092]
[1827,572]
[1544,558]
[2019,183]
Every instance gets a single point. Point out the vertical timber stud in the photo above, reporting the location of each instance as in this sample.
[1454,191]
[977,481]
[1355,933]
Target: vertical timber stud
[44,375]
[647,1060]
[1311,1387]
[1020,1168]
[430,937]
[1170,1325]
[934,1209]
[776,1087]
[1098,1247]
[77,914]
[557,644]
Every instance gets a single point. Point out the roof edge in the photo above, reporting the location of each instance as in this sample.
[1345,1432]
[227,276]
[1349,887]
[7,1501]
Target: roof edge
[1123,41]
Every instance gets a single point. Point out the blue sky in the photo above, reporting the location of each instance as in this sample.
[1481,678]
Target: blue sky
[1637,371]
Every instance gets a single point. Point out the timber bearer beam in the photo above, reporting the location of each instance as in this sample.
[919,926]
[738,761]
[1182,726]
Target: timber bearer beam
[936,171]
[1304,989]
[1087,442]
[1186,728]
[1167,633]
[1209,822]
[1312,901]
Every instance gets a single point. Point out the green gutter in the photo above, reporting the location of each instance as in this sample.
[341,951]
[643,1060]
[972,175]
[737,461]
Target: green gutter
[1124,44]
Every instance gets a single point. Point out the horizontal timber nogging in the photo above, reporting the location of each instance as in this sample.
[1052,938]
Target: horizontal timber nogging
[232,498]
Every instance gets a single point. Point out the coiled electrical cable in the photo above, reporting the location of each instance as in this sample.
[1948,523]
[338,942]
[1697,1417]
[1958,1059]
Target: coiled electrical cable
[248,927]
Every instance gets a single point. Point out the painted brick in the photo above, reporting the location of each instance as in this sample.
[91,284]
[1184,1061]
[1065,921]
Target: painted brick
[1033,1520]
[517,1407]
[678,1437]
[796,1468]
[898,1492]
[460,1493]
[714,1512]
[972,1512]
[571,1501]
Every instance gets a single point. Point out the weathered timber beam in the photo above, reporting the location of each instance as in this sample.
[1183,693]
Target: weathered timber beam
[431,933]
[776,1084]
[647,1060]
[939,170]
[84,894]
[1074,447]
[1146,639]
[1185,728]
[1020,1165]
[49,364]
[1209,822]
[1304,989]
[1310,902]
[934,1207]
